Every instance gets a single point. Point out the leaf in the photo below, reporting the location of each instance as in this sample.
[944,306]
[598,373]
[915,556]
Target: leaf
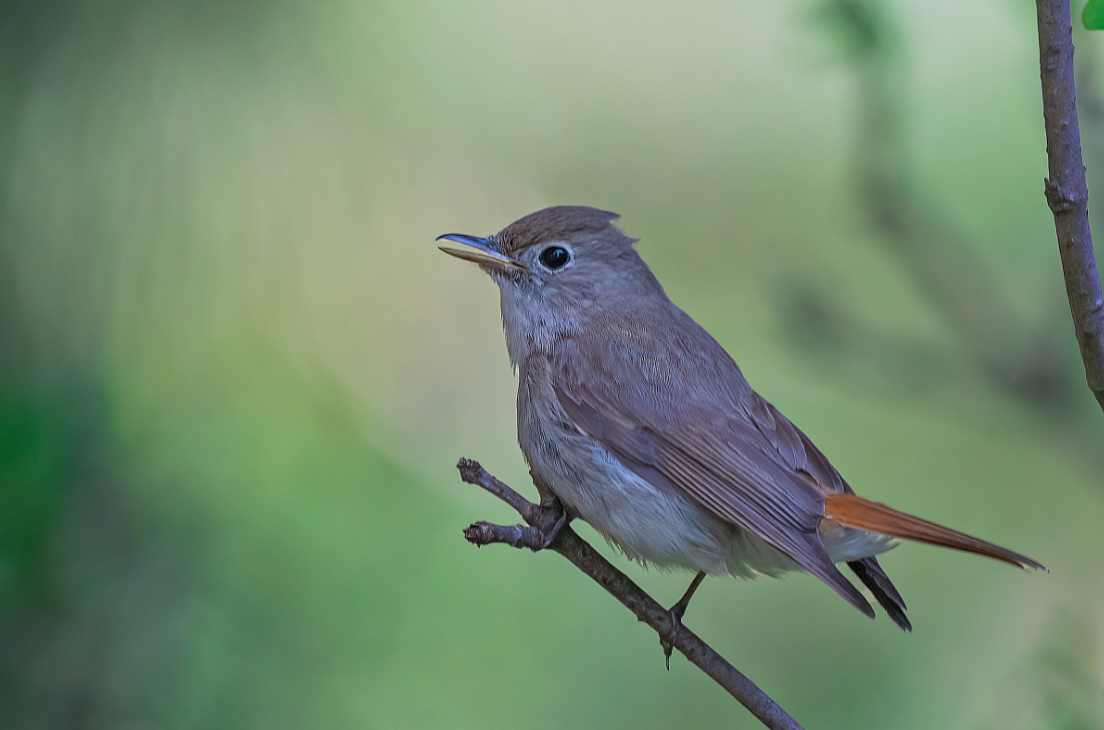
[1093,15]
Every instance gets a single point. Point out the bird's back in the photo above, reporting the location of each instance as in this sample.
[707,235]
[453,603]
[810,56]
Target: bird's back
[667,370]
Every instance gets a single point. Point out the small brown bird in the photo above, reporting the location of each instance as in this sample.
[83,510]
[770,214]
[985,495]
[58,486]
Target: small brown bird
[642,425]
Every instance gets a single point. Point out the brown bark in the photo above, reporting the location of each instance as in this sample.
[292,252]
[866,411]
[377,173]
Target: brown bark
[1066,190]
[544,519]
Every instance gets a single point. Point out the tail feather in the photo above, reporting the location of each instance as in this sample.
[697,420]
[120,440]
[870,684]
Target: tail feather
[874,578]
[850,510]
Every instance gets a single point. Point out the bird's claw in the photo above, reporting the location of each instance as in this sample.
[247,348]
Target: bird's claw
[676,613]
[552,519]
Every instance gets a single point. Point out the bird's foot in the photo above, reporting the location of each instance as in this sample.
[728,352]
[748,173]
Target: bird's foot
[553,516]
[676,613]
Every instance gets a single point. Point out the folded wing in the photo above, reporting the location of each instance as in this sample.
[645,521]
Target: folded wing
[675,409]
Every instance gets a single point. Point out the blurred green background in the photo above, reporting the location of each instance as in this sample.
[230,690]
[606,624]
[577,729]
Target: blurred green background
[235,372]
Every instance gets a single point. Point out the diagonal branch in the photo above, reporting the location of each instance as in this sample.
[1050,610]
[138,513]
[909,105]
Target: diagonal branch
[568,544]
[1066,190]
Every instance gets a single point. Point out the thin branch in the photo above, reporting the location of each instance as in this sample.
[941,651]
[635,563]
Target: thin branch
[1067,192]
[568,544]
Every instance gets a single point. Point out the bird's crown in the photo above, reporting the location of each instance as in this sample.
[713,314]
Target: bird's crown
[553,224]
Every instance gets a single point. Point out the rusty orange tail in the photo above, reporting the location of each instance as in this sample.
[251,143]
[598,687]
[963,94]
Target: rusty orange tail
[851,510]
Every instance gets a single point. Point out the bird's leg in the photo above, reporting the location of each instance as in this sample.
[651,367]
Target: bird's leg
[677,611]
[553,514]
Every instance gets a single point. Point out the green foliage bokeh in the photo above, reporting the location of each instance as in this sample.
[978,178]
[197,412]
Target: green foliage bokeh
[235,373]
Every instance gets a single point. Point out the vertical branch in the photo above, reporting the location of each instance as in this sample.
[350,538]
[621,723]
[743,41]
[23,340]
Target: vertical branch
[1066,190]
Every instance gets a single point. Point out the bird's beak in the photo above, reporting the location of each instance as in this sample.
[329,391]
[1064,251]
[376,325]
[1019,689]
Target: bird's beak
[482,251]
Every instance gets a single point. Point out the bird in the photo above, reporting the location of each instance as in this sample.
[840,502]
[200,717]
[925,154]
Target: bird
[638,422]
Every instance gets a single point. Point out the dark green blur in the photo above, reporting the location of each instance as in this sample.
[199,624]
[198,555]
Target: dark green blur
[235,372]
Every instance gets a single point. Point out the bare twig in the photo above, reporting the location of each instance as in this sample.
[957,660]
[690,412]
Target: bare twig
[567,543]
[1066,190]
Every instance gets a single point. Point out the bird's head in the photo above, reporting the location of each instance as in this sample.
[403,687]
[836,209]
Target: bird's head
[559,266]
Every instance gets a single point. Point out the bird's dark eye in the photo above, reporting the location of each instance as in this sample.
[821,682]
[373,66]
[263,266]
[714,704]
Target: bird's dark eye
[555,257]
